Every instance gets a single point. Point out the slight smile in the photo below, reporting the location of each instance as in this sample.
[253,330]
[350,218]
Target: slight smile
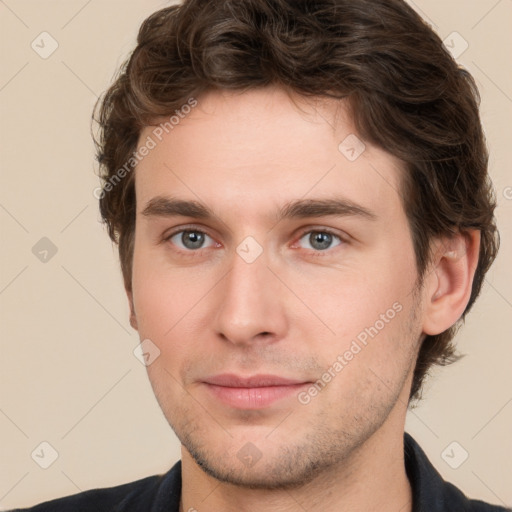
[256,392]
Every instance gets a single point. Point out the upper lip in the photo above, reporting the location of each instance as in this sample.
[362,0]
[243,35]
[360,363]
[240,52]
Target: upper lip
[256,381]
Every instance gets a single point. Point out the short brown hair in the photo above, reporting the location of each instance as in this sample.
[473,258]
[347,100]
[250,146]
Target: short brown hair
[408,96]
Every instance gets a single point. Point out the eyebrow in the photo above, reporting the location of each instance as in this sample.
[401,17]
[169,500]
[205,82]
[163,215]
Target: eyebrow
[302,208]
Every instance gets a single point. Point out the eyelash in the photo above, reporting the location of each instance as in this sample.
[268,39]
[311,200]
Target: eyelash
[315,253]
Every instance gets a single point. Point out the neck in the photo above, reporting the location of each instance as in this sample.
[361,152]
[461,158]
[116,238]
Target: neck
[373,478]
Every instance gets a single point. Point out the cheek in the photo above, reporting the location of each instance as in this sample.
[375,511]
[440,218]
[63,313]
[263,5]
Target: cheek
[350,302]
[368,312]
[163,299]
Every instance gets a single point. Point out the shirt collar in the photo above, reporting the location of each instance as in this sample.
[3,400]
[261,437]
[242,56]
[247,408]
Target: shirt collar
[430,492]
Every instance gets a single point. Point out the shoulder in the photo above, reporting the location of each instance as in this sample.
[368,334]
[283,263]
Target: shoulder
[433,494]
[454,496]
[141,495]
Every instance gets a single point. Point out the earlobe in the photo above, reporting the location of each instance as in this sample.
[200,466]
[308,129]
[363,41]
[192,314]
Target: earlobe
[449,284]
[133,317]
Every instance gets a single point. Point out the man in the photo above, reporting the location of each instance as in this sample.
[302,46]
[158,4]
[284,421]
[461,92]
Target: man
[300,195]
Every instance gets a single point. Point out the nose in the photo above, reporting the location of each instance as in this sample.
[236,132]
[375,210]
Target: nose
[251,303]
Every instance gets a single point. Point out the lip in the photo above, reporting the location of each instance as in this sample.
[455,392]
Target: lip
[255,392]
[231,380]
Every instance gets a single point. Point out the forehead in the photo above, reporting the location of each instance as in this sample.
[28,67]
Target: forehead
[262,148]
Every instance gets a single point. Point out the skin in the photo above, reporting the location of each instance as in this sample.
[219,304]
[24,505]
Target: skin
[292,311]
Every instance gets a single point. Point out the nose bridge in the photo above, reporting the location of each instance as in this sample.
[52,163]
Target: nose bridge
[250,301]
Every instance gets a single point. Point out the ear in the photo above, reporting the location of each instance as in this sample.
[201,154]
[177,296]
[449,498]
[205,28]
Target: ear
[133,317]
[449,282]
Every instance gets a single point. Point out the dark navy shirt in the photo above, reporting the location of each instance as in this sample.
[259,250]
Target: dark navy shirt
[162,493]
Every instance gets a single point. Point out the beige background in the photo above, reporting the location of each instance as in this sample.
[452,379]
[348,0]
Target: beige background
[68,373]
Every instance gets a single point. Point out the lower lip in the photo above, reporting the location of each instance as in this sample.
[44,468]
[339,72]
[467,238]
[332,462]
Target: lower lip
[253,398]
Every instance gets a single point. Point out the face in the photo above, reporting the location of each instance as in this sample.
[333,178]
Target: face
[282,300]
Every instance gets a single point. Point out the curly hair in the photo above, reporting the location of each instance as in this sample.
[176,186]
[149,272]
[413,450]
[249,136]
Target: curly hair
[408,96]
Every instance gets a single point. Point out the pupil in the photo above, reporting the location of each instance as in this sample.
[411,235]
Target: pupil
[192,239]
[320,240]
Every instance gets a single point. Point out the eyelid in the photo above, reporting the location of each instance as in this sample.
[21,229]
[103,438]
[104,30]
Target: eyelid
[186,227]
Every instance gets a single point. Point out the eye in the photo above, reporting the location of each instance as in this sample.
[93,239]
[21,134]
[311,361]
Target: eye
[320,240]
[189,239]
[193,240]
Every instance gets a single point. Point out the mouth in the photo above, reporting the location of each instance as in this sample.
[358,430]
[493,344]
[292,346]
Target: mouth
[255,392]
